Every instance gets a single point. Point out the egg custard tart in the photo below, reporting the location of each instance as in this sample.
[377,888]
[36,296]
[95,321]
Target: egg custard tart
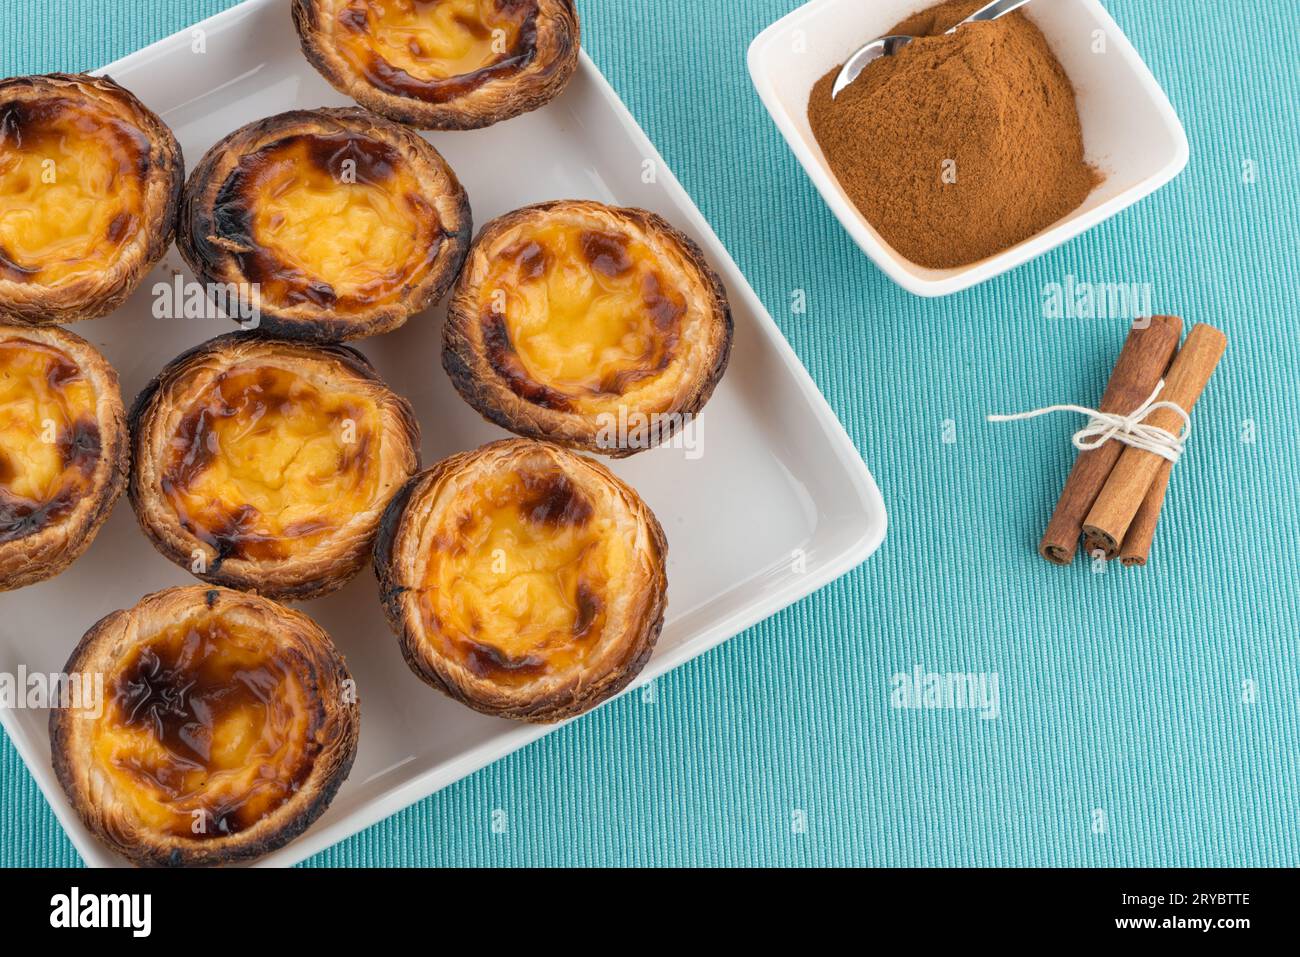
[64,450]
[522,579]
[266,464]
[89,183]
[599,328]
[337,224]
[209,727]
[442,64]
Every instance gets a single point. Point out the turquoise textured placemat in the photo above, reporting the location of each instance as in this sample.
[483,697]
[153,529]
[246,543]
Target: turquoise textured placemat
[1146,717]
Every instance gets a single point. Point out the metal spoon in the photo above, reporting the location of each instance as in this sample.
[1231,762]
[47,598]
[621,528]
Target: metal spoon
[889,45]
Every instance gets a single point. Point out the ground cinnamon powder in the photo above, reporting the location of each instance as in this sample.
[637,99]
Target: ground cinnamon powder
[960,146]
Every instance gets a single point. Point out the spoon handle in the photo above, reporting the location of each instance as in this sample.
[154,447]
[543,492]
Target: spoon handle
[999,8]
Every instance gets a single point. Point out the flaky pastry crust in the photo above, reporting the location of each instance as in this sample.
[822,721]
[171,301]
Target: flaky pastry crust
[343,40]
[500,344]
[265,464]
[225,726]
[338,223]
[61,414]
[523,580]
[90,179]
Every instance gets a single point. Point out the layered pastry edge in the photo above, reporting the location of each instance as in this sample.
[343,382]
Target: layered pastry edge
[541,38]
[312,564]
[409,556]
[236,225]
[152,800]
[484,359]
[111,123]
[30,555]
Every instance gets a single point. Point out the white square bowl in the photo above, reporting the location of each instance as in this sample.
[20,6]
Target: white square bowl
[1130,131]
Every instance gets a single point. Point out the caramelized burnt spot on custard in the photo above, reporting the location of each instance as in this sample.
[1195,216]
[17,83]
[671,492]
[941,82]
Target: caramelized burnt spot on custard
[436,50]
[336,221]
[208,727]
[577,318]
[515,586]
[49,437]
[265,463]
[72,189]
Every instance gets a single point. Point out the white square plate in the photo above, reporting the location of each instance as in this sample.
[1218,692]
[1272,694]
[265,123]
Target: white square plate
[1130,131]
[778,479]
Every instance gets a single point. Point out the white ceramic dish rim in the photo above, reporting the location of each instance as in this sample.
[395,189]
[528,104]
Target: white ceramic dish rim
[774,599]
[953,281]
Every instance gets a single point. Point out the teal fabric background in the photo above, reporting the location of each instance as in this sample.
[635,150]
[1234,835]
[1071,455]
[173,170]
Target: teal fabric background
[1166,698]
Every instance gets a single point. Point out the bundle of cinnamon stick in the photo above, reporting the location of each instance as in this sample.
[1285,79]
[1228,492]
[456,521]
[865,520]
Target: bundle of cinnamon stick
[1115,492]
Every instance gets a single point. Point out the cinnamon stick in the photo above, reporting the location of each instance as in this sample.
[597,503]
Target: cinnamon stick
[1117,504]
[1141,363]
[1137,541]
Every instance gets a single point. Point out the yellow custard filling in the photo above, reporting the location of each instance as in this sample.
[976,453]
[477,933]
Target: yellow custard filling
[205,729]
[71,193]
[411,42]
[265,461]
[338,221]
[49,436]
[521,571]
[583,314]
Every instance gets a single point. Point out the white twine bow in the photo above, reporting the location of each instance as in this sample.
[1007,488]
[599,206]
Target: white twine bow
[1129,429]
